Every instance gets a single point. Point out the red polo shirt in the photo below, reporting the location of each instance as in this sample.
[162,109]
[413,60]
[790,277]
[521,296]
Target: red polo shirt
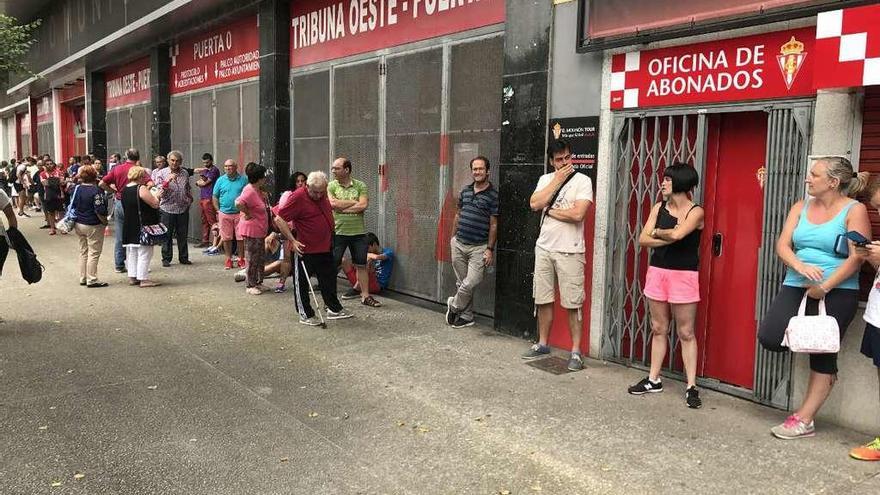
[312,220]
[118,176]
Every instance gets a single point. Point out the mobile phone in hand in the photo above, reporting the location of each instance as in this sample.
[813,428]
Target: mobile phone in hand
[857,238]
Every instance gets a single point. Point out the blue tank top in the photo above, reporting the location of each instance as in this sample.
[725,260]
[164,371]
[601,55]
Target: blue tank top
[813,244]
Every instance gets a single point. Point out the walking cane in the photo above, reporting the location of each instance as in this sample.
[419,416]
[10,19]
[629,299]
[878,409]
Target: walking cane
[318,310]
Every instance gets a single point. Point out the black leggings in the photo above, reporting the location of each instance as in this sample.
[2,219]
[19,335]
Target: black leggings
[839,303]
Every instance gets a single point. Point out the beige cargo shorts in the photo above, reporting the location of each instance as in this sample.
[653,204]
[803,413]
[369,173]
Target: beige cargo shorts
[567,269]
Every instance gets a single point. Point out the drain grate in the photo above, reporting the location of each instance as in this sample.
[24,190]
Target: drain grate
[555,364]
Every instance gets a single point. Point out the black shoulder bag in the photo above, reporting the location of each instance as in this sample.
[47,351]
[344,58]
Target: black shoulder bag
[553,198]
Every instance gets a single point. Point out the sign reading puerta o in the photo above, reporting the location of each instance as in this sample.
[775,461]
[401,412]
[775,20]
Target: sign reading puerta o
[329,29]
[760,67]
[227,54]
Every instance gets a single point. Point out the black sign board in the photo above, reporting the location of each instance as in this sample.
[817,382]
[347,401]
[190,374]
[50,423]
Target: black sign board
[582,133]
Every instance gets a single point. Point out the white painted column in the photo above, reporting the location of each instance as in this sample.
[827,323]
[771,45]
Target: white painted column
[56,125]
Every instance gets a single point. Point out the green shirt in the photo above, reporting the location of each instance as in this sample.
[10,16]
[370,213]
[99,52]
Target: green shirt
[348,223]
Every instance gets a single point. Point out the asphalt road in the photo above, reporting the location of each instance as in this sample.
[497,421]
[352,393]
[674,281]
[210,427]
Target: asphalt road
[197,388]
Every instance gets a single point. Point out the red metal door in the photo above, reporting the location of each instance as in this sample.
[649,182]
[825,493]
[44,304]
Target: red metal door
[729,247]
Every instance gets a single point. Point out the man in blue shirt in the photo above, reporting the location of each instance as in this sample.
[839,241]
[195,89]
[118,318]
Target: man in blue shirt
[226,190]
[473,246]
[379,263]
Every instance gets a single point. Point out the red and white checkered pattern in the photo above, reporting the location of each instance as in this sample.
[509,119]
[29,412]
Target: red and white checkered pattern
[848,48]
[623,96]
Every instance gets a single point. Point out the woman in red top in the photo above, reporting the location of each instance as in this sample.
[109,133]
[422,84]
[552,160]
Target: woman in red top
[53,193]
[253,227]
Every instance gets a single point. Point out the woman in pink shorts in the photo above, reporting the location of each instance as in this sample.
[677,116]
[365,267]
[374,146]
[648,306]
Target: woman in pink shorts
[672,284]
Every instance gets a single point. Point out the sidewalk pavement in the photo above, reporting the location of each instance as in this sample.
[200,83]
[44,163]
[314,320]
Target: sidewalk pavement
[195,387]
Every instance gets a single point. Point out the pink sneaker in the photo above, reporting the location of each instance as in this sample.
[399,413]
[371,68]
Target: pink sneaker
[793,427]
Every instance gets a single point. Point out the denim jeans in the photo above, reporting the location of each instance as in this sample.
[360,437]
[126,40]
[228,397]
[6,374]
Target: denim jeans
[118,220]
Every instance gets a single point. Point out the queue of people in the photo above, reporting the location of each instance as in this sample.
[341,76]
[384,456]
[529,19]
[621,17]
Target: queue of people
[317,221]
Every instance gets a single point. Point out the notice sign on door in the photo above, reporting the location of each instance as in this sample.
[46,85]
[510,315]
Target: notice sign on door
[223,55]
[582,133]
[760,67]
[329,29]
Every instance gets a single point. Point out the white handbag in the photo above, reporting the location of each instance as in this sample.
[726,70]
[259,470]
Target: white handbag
[812,334]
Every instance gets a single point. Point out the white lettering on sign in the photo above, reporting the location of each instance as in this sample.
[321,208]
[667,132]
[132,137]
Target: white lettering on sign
[239,64]
[214,45]
[129,83]
[707,72]
[191,77]
[353,17]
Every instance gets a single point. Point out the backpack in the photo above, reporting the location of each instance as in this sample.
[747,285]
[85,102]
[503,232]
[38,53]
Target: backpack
[52,188]
[31,268]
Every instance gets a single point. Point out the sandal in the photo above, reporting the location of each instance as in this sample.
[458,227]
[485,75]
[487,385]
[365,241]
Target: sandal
[280,289]
[149,283]
[369,301]
[97,284]
[133,281]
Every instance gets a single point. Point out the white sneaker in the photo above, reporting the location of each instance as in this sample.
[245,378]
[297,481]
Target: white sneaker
[341,315]
[240,275]
[312,322]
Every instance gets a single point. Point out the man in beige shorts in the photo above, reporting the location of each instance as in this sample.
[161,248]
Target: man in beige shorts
[562,197]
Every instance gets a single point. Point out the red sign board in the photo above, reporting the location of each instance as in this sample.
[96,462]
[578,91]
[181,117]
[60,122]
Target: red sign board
[129,84]
[44,110]
[760,67]
[327,29]
[848,47]
[223,55]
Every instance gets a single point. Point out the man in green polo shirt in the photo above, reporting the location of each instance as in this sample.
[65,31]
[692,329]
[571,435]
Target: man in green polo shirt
[349,200]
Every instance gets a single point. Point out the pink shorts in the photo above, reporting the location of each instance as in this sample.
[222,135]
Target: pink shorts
[672,286]
[228,225]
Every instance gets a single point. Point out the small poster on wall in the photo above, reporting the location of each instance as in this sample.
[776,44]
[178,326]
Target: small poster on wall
[583,135]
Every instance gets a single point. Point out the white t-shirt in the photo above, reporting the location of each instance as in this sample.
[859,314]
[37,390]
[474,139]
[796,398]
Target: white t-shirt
[565,237]
[20,169]
[872,309]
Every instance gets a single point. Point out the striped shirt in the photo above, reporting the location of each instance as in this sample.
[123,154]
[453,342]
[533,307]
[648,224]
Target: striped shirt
[474,213]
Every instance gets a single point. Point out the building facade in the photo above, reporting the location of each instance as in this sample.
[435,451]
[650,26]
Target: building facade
[411,90]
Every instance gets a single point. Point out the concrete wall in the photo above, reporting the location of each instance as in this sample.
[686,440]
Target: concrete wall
[575,91]
[575,78]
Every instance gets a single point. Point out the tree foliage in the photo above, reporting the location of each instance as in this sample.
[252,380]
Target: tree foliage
[15,41]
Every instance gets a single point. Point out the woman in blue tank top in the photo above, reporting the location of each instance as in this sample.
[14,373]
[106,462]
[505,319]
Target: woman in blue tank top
[813,268]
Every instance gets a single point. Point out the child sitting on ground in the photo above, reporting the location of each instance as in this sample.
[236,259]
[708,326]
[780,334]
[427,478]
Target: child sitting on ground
[216,242]
[379,264]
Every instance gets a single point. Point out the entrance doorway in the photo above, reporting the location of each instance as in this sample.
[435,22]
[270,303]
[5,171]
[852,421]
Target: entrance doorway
[733,199]
[751,161]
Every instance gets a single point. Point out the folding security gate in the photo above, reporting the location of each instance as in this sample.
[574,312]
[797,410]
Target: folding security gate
[788,145]
[643,145]
[223,121]
[410,121]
